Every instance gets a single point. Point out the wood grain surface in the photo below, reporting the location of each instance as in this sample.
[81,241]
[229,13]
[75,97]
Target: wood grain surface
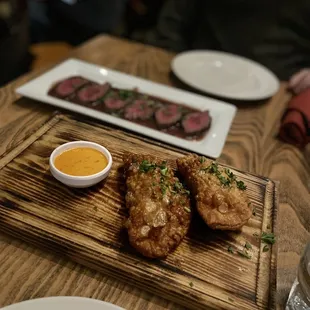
[87,224]
[27,272]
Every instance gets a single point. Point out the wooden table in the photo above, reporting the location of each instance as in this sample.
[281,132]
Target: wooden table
[27,272]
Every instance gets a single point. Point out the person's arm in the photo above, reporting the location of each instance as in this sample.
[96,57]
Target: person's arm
[173,29]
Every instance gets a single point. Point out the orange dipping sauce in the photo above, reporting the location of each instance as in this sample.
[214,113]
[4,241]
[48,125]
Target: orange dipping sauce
[81,161]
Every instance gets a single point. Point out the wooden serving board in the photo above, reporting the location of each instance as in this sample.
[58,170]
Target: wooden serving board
[86,224]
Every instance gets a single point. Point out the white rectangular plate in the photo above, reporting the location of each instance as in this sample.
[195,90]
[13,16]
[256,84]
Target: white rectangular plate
[211,145]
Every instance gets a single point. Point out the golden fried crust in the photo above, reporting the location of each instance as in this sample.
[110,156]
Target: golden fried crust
[159,206]
[222,206]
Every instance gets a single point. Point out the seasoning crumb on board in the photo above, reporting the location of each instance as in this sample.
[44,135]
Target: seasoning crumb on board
[242,269]
[230,299]
[230,250]
[248,245]
[244,254]
[191,284]
[178,262]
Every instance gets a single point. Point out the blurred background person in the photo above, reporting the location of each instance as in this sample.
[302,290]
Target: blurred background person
[273,33]
[14,39]
[140,17]
[73,21]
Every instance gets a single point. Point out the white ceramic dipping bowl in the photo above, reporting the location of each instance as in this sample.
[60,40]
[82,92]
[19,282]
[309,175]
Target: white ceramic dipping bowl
[80,181]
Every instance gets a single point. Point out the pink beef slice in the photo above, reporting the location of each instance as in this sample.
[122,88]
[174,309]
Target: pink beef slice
[68,86]
[168,115]
[196,122]
[93,92]
[139,110]
[114,104]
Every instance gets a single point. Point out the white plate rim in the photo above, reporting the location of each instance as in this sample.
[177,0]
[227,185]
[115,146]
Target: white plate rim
[24,305]
[254,97]
[211,145]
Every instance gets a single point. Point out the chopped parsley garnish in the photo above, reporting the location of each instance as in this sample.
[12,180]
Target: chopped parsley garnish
[178,186]
[230,250]
[213,168]
[125,94]
[255,234]
[191,284]
[241,185]
[146,166]
[163,188]
[226,181]
[163,165]
[164,171]
[230,174]
[265,248]
[202,159]
[248,246]
[149,103]
[186,192]
[188,210]
[268,238]
[244,254]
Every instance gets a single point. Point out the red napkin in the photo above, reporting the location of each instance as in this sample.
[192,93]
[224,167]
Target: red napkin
[295,127]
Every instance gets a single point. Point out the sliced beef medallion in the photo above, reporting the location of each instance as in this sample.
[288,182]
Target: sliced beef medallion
[196,122]
[92,93]
[67,87]
[114,104]
[158,205]
[168,115]
[139,110]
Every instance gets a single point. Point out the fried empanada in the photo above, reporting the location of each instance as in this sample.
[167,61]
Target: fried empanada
[220,198]
[159,205]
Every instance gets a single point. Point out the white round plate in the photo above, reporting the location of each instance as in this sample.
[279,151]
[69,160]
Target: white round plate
[62,303]
[225,75]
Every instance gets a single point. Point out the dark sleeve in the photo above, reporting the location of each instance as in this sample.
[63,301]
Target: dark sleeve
[174,24]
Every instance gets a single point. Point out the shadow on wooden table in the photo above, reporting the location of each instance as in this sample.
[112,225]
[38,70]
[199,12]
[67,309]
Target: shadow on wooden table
[37,106]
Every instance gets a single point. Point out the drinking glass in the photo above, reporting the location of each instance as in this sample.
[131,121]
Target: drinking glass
[299,297]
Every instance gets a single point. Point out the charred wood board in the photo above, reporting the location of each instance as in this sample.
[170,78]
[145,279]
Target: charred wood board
[86,225]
